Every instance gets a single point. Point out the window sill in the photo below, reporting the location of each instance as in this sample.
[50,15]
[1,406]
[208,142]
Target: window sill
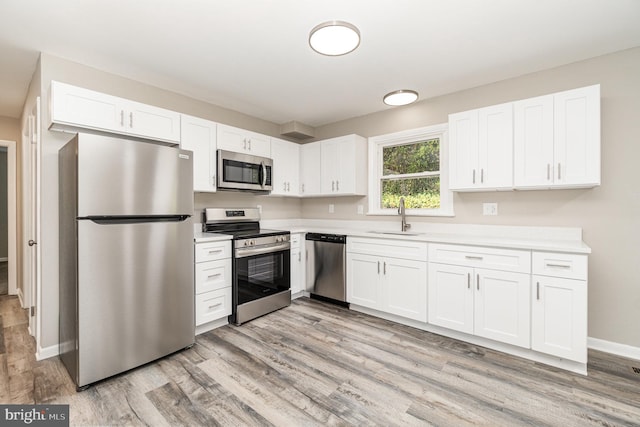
[412,213]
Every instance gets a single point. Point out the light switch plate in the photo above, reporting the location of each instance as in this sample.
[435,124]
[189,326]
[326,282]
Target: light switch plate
[332,208]
[360,210]
[489,209]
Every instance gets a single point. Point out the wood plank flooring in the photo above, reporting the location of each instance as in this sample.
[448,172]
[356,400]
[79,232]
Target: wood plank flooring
[317,364]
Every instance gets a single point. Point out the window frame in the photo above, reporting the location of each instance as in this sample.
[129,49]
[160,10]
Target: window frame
[376,145]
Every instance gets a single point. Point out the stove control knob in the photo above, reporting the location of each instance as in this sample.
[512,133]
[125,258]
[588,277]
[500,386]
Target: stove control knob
[246,243]
[278,239]
[253,242]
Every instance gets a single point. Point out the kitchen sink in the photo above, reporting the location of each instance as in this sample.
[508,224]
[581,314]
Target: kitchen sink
[396,233]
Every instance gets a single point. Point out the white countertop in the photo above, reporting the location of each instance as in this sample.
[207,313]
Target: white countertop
[552,239]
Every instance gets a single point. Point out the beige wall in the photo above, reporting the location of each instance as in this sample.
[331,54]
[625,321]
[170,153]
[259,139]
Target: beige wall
[609,215]
[53,68]
[9,129]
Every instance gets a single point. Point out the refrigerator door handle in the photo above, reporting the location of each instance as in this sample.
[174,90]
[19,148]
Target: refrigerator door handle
[109,220]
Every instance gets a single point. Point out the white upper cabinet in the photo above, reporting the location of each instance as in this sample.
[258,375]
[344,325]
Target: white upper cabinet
[481,144]
[74,107]
[557,140]
[199,136]
[310,169]
[286,167]
[243,141]
[343,165]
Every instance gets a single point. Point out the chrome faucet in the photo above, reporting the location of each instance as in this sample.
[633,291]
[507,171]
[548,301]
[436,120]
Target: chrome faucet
[402,213]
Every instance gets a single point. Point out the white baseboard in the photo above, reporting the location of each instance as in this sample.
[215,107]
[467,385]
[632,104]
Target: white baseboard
[623,350]
[47,352]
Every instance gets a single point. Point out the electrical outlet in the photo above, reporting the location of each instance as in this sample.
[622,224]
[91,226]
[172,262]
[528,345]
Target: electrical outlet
[259,208]
[360,210]
[332,208]
[489,209]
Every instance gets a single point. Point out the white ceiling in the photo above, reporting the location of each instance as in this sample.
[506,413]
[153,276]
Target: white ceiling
[253,56]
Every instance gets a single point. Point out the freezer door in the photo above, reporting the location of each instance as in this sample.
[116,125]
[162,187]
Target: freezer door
[135,295]
[127,177]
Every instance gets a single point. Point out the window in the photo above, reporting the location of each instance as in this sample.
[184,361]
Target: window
[410,164]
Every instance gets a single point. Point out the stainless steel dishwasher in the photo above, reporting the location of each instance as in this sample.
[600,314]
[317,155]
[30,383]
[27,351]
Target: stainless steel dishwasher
[326,267]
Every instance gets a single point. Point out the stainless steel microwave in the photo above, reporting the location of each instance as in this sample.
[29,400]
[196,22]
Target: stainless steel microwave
[244,172]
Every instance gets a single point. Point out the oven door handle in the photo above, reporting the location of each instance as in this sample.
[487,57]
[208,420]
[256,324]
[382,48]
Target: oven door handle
[246,252]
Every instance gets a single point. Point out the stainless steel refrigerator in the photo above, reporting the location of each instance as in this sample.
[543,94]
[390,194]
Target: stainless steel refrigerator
[126,254]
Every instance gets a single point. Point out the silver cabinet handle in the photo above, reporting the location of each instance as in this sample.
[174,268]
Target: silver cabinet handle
[337,185]
[131,120]
[481,176]
[299,256]
[288,186]
[474,176]
[558,265]
[122,118]
[302,188]
[538,291]
[468,280]
[477,281]
[559,172]
[249,143]
[244,141]
[478,258]
[213,275]
[384,267]
[378,267]
[548,171]
[284,186]
[333,186]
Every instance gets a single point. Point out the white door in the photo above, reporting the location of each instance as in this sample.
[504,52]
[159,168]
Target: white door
[363,280]
[199,136]
[559,317]
[296,271]
[533,142]
[463,146]
[405,288]
[450,296]
[501,306]
[577,136]
[152,122]
[310,169]
[345,170]
[495,146]
[286,159]
[328,166]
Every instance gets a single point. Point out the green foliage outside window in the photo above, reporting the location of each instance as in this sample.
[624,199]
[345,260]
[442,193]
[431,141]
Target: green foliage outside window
[411,171]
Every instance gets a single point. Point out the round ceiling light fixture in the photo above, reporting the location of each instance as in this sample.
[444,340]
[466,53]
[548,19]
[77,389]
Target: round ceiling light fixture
[334,38]
[400,97]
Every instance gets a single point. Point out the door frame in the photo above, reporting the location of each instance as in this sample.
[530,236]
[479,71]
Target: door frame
[12,214]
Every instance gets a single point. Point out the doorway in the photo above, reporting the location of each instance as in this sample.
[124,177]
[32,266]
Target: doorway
[8,213]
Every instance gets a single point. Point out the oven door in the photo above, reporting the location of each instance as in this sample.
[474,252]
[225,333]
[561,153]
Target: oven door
[237,171]
[261,275]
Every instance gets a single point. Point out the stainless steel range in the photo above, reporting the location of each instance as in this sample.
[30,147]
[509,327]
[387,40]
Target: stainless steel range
[261,262]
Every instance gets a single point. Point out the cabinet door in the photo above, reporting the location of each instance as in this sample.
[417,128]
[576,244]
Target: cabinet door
[213,305]
[559,317]
[346,166]
[243,141]
[212,275]
[296,271]
[463,149]
[577,137]
[310,169]
[286,160]
[152,122]
[363,280]
[405,288]
[450,297]
[329,155]
[199,136]
[495,147]
[71,105]
[533,142]
[502,306]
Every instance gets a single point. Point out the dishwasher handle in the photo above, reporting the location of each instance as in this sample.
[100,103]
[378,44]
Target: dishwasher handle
[328,238]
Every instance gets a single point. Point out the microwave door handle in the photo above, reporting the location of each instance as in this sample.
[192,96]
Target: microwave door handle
[264,174]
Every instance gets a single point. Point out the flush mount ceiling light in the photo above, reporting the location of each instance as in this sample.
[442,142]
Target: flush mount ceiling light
[400,97]
[334,38]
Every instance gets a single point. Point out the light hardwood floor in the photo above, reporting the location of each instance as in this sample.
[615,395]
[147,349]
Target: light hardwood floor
[318,364]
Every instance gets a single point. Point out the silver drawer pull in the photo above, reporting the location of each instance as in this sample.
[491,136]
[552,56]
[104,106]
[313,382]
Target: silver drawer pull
[215,305]
[214,275]
[479,258]
[558,265]
[216,251]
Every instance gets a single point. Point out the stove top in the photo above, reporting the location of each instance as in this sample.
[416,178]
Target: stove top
[240,223]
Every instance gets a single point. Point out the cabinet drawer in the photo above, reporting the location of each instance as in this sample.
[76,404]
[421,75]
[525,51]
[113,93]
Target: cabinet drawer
[212,251]
[295,240]
[391,248]
[213,275]
[569,266]
[213,305]
[518,261]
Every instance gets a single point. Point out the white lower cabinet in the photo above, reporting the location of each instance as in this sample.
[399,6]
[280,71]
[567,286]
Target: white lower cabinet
[484,302]
[559,305]
[392,285]
[297,265]
[212,283]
